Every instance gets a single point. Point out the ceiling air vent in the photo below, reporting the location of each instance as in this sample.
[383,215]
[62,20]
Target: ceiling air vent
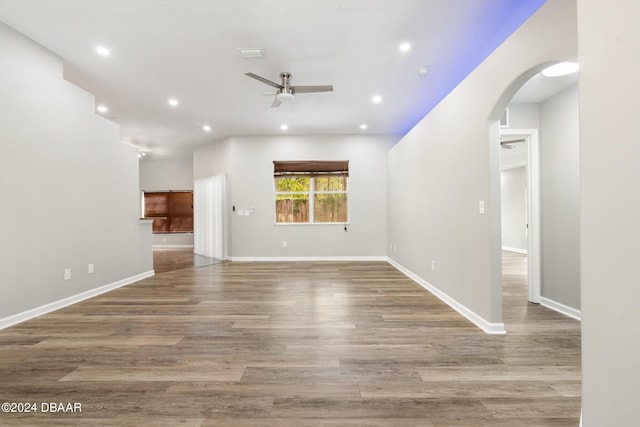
[251,53]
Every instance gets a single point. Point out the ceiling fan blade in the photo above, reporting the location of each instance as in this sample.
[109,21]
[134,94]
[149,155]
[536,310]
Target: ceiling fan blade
[310,89]
[276,102]
[513,141]
[263,80]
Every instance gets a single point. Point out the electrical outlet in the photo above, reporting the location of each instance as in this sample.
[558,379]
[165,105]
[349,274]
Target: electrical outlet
[90,269]
[284,243]
[67,274]
[433,265]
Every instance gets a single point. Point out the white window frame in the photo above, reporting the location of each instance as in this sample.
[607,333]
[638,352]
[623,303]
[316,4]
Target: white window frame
[311,193]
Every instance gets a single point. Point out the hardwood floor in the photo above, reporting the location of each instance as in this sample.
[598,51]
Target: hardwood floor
[291,344]
[178,259]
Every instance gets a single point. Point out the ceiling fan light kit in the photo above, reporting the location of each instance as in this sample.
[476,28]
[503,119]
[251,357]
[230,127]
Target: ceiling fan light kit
[285,96]
[286,92]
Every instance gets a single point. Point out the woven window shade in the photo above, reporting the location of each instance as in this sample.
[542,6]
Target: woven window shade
[172,211]
[311,168]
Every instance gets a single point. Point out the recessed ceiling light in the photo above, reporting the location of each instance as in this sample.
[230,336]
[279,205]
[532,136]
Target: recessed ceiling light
[206,128]
[173,102]
[376,99]
[102,108]
[560,69]
[404,47]
[363,126]
[284,127]
[103,51]
[422,71]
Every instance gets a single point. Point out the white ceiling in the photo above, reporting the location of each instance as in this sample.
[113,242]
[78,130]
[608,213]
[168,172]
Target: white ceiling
[188,49]
[539,88]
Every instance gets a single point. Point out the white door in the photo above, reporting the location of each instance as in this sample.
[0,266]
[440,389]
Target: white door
[209,220]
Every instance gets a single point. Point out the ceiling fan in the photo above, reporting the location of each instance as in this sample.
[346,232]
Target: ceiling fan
[285,91]
[507,144]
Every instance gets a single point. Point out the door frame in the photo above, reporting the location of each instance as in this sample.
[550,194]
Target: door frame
[533,209]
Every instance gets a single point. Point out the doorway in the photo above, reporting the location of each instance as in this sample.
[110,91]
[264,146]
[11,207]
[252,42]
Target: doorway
[520,195]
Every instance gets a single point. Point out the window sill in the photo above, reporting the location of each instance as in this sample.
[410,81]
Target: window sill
[172,233]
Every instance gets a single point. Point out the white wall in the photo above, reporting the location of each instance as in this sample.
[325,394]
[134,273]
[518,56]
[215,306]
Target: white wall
[560,198]
[434,191]
[514,208]
[212,159]
[69,187]
[610,206]
[168,175]
[248,161]
[524,116]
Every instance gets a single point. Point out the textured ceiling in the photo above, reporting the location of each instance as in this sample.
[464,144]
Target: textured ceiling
[188,49]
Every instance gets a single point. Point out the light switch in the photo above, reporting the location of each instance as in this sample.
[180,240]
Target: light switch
[481,207]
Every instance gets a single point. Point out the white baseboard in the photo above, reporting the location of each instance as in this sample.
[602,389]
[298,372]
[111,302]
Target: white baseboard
[172,247]
[561,308]
[56,305]
[304,258]
[488,327]
[518,250]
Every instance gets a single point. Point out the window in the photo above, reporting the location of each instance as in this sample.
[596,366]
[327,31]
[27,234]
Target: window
[311,191]
[172,211]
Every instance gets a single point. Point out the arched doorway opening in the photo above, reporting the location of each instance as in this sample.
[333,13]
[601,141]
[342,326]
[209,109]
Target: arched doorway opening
[538,120]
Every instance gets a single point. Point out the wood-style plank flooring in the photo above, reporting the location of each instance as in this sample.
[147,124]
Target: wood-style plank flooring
[178,259]
[292,344]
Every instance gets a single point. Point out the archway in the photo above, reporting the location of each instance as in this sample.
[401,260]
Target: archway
[541,257]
